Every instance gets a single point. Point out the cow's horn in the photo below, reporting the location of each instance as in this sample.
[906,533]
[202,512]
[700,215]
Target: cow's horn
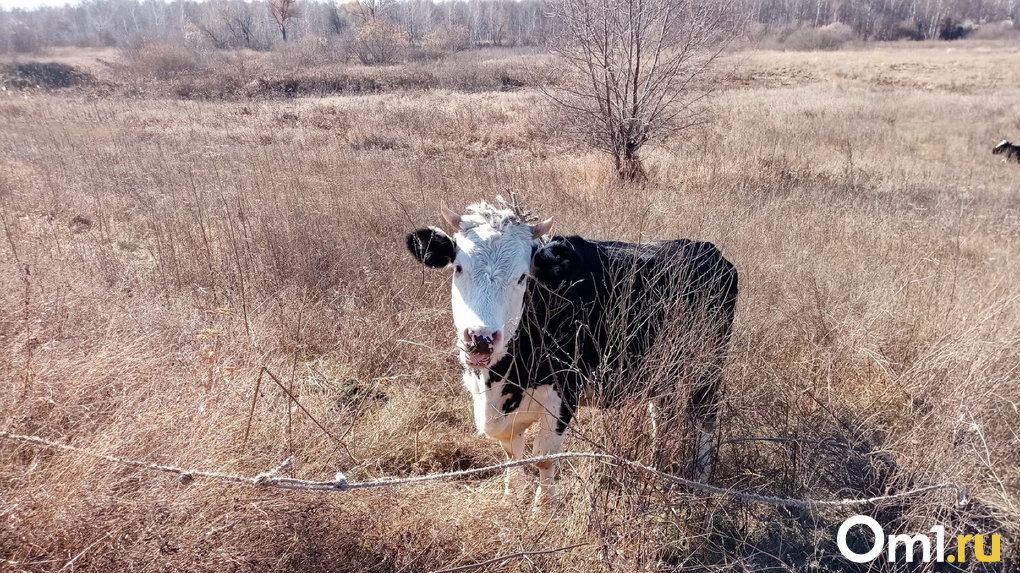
[452,219]
[542,228]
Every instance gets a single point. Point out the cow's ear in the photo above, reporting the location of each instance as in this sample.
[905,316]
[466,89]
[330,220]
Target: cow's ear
[555,263]
[432,247]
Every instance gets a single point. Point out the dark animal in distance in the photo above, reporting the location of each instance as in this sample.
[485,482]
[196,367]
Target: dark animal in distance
[1007,149]
[541,320]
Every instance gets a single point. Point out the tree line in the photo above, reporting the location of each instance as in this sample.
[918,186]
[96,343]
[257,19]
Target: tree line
[451,24]
[263,24]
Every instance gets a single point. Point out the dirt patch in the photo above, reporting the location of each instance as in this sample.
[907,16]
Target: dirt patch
[45,75]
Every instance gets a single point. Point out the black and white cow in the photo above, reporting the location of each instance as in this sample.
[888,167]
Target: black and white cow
[1011,151]
[546,324]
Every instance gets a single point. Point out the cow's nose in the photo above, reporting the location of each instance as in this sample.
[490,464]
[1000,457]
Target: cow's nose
[480,340]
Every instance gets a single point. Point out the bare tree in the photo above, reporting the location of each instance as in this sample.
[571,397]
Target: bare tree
[366,10]
[283,11]
[240,22]
[337,18]
[216,37]
[638,68]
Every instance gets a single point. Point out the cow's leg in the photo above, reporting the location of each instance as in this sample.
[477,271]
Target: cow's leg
[547,442]
[551,427]
[661,456]
[704,411]
[653,418]
[706,442]
[513,446]
[704,405]
[497,416]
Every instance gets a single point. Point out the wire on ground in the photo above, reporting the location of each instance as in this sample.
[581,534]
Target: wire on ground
[341,483]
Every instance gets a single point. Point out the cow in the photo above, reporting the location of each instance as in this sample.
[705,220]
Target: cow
[545,324]
[1011,151]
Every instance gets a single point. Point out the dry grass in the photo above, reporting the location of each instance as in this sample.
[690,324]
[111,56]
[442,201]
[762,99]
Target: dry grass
[157,253]
[966,67]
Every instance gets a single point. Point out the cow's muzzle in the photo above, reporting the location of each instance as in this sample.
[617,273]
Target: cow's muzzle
[479,345]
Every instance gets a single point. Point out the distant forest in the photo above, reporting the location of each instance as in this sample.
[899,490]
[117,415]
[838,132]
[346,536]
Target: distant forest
[457,24]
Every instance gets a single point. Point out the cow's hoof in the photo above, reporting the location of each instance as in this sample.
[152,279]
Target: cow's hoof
[545,499]
[513,481]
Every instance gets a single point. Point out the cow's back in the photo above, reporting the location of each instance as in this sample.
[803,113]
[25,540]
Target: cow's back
[606,327]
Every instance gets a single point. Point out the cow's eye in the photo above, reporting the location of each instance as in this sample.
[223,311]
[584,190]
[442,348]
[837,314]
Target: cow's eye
[458,269]
[520,281]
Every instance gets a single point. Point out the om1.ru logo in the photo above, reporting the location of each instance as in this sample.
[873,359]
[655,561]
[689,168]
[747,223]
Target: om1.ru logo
[909,542]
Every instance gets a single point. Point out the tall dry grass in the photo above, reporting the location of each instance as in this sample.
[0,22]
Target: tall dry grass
[157,253]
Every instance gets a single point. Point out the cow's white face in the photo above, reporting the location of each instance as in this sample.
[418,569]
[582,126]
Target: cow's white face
[490,255]
[490,271]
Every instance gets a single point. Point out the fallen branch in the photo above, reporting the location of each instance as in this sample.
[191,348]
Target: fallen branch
[341,483]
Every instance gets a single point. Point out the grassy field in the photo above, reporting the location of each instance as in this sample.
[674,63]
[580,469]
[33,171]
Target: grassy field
[158,252]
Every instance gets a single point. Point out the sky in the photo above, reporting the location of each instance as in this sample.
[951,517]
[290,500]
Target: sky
[29,4]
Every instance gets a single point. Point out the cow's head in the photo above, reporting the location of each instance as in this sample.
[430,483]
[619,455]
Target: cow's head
[493,254]
[1001,147]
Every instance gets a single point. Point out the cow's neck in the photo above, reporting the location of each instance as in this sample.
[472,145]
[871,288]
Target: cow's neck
[476,380]
[480,380]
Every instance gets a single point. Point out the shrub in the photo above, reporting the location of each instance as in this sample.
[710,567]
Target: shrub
[952,29]
[756,32]
[164,61]
[829,37]
[308,51]
[996,31]
[377,41]
[834,35]
[906,30]
[447,39]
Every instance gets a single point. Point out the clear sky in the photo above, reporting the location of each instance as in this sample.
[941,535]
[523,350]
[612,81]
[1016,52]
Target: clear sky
[29,4]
